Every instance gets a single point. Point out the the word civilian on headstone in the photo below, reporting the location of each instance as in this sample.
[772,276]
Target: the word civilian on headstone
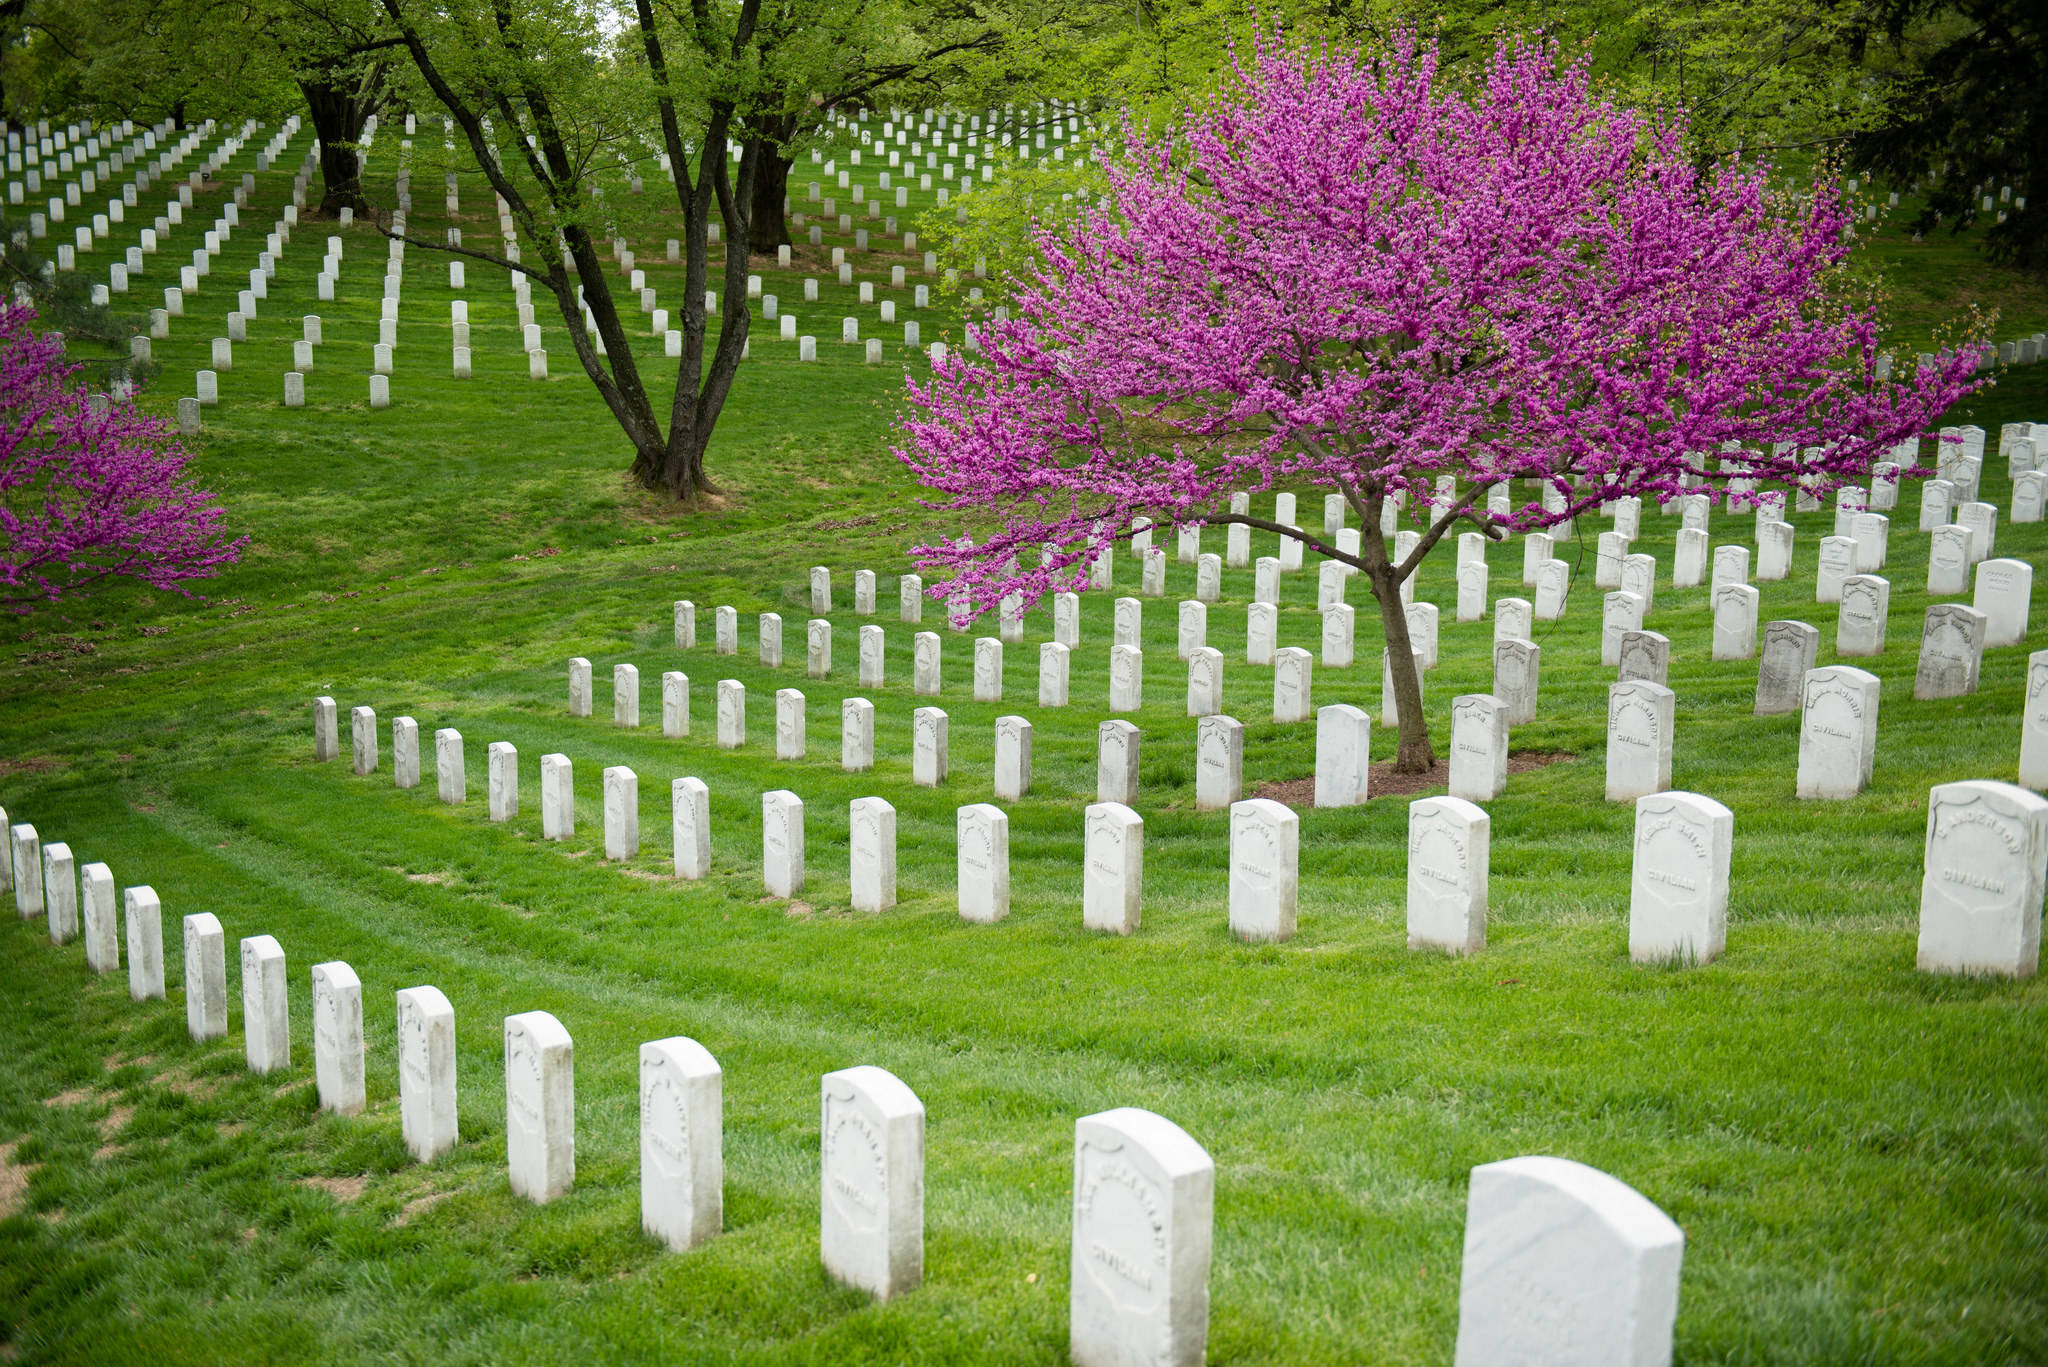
[1343,755]
[1837,731]
[1678,893]
[1866,606]
[2005,591]
[1735,610]
[1265,881]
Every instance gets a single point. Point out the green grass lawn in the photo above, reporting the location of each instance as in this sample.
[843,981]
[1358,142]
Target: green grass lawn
[1858,1153]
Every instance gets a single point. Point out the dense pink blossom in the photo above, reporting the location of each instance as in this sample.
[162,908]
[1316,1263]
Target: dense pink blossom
[90,488]
[1353,272]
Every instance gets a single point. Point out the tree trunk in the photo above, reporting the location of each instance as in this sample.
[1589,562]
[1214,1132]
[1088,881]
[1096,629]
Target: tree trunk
[768,225]
[1414,755]
[339,112]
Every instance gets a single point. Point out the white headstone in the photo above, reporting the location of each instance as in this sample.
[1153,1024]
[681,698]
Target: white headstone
[1219,762]
[1951,652]
[426,1072]
[732,714]
[1980,893]
[1639,724]
[924,664]
[682,1162]
[983,839]
[1343,756]
[871,837]
[1565,1265]
[1948,560]
[1126,678]
[557,797]
[790,731]
[1449,848]
[782,843]
[1205,681]
[1053,670]
[1678,895]
[725,630]
[1514,619]
[690,827]
[1735,609]
[1553,583]
[1262,633]
[1479,747]
[206,977]
[771,640]
[1773,552]
[988,669]
[1193,627]
[579,687]
[338,1038]
[2034,724]
[540,1107]
[1620,613]
[266,1007]
[928,746]
[143,914]
[1113,872]
[1144,1221]
[2005,591]
[1265,839]
[871,1178]
[1837,731]
[1517,674]
[1837,563]
[1860,625]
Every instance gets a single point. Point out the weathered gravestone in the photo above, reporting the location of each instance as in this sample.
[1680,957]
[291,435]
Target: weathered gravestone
[1678,894]
[1553,583]
[362,727]
[1514,619]
[1980,893]
[1390,704]
[1639,724]
[771,640]
[1205,681]
[1292,699]
[266,1008]
[682,1159]
[2034,724]
[690,827]
[1773,552]
[1644,655]
[1735,607]
[1339,629]
[1013,758]
[928,745]
[450,777]
[1479,747]
[60,892]
[1472,583]
[871,840]
[732,714]
[873,657]
[426,1072]
[1219,762]
[675,704]
[1565,1266]
[1837,731]
[625,695]
[1689,560]
[1126,678]
[1192,631]
[621,813]
[1343,755]
[982,836]
[326,738]
[1948,560]
[1116,762]
[338,1038]
[2005,591]
[818,648]
[1144,1222]
[782,843]
[1112,880]
[143,913]
[1951,651]
[1860,624]
[1053,670]
[1620,613]
[540,1107]
[988,669]
[206,977]
[871,1175]
[1449,849]
[1517,672]
[557,797]
[579,687]
[100,915]
[1265,881]
[1789,651]
[1837,563]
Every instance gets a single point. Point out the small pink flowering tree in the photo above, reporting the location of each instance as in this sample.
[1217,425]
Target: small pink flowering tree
[89,488]
[1352,273]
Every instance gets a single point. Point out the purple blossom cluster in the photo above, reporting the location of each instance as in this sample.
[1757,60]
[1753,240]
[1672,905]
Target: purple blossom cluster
[90,489]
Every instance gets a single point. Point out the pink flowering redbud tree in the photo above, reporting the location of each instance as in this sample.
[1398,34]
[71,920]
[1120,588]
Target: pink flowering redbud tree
[1352,272]
[90,489]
